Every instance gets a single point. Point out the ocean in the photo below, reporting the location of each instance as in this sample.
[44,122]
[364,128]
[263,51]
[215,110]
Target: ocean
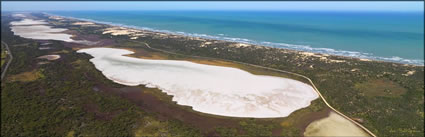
[387,36]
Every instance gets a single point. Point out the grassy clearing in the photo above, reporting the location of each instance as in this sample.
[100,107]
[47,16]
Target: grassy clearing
[27,76]
[3,55]
[61,51]
[151,127]
[70,134]
[380,87]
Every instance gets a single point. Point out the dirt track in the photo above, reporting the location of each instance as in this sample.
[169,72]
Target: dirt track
[9,61]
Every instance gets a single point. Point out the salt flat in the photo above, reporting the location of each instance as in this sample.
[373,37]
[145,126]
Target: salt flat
[28,22]
[210,89]
[334,125]
[37,29]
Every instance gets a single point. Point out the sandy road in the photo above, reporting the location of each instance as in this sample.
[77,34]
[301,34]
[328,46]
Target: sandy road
[311,82]
[9,61]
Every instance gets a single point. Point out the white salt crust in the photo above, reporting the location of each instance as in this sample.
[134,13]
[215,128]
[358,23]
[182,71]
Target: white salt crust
[36,29]
[209,89]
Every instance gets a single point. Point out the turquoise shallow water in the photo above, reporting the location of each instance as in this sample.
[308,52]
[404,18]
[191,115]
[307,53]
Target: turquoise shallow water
[388,36]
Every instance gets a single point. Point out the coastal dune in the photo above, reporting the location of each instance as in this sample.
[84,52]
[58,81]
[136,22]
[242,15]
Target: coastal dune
[209,89]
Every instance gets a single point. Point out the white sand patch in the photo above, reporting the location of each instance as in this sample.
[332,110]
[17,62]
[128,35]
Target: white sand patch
[44,48]
[83,23]
[334,125]
[309,54]
[120,31]
[139,34]
[56,18]
[42,63]
[204,44]
[238,45]
[408,73]
[50,57]
[354,69]
[86,24]
[336,61]
[322,57]
[210,89]
[365,60]
[117,32]
[34,29]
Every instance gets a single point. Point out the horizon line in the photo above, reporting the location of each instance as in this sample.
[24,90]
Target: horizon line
[220,10]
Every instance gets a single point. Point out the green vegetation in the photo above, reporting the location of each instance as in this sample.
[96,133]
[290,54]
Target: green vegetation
[60,98]
[3,55]
[62,102]
[66,102]
[337,82]
[26,76]
[380,87]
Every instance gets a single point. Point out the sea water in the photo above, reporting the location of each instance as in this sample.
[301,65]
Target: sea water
[387,36]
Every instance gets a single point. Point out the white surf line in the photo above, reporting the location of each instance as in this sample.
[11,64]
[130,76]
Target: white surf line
[311,82]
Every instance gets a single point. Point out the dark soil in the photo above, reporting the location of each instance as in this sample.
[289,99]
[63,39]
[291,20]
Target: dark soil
[166,111]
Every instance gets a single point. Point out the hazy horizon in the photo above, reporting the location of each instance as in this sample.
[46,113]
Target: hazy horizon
[349,6]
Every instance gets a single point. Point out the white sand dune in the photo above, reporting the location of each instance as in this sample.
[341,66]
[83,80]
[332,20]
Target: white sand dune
[335,126]
[210,89]
[35,29]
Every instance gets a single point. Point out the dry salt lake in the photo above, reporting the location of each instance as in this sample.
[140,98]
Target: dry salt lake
[37,29]
[210,89]
[333,125]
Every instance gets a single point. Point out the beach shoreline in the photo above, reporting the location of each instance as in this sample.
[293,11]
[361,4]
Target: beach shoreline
[183,35]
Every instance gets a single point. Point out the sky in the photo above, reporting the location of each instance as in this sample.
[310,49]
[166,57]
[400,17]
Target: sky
[215,5]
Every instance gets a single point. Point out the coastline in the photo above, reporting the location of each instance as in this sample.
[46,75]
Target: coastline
[255,44]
